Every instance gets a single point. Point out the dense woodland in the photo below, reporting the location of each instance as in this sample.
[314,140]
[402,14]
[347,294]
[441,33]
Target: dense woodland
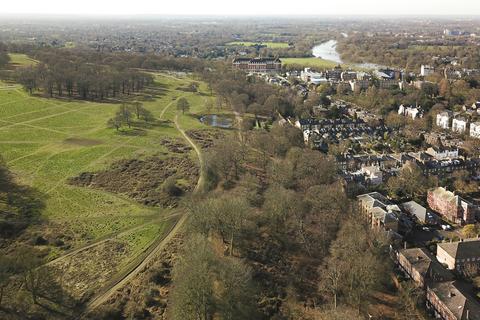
[4,58]
[405,53]
[288,216]
[90,75]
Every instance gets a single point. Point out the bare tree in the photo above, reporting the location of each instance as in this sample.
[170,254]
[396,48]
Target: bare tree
[183,105]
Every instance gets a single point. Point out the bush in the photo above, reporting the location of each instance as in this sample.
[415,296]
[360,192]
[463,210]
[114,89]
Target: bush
[170,187]
[108,313]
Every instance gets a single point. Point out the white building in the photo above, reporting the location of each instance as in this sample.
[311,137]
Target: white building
[443,119]
[314,77]
[373,174]
[459,125]
[359,84]
[413,112]
[475,129]
[443,153]
[426,70]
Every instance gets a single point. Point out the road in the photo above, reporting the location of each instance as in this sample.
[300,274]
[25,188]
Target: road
[108,291]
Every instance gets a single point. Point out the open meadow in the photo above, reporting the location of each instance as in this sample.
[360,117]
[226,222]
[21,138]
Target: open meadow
[312,62]
[47,142]
[272,45]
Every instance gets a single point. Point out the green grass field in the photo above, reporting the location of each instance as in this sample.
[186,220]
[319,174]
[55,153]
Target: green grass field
[272,45]
[21,60]
[310,62]
[35,142]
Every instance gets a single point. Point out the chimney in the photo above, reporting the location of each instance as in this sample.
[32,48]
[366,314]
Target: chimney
[468,314]
[405,245]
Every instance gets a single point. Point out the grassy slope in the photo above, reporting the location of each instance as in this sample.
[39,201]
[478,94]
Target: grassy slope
[33,133]
[21,60]
[268,44]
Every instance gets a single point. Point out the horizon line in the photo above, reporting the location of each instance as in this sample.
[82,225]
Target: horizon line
[243,15]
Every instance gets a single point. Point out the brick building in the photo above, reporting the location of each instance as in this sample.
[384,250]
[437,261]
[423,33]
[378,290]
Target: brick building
[460,254]
[419,265]
[379,211]
[258,65]
[451,206]
[451,301]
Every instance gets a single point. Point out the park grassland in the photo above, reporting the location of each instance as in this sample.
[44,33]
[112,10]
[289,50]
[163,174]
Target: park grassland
[312,62]
[21,60]
[47,141]
[272,45]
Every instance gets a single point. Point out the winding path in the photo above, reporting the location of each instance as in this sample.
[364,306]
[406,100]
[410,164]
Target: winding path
[108,291]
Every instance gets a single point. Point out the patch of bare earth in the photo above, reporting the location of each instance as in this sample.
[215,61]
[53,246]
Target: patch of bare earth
[142,179]
[82,142]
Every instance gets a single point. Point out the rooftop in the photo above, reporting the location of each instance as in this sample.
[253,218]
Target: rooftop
[423,262]
[455,297]
[462,249]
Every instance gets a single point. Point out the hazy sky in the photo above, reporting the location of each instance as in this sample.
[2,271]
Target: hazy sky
[243,7]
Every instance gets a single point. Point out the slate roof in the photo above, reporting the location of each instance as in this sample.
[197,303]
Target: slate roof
[425,264]
[454,295]
[462,249]
[416,209]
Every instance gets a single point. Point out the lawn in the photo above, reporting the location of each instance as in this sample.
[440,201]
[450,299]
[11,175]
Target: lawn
[312,62]
[21,60]
[47,141]
[272,45]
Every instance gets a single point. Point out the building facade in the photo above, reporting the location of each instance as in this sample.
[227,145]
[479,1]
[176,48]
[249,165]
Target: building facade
[443,120]
[451,206]
[460,125]
[419,265]
[459,255]
[426,70]
[258,65]
[449,301]
[475,130]
[379,211]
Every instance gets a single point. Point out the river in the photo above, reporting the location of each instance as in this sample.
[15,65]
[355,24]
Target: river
[328,51]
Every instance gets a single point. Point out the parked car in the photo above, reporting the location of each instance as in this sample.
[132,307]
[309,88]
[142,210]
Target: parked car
[446,227]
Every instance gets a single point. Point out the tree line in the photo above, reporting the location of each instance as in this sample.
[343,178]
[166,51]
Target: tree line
[76,77]
[4,57]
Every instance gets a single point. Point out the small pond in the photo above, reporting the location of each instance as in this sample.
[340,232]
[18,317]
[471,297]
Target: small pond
[216,120]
